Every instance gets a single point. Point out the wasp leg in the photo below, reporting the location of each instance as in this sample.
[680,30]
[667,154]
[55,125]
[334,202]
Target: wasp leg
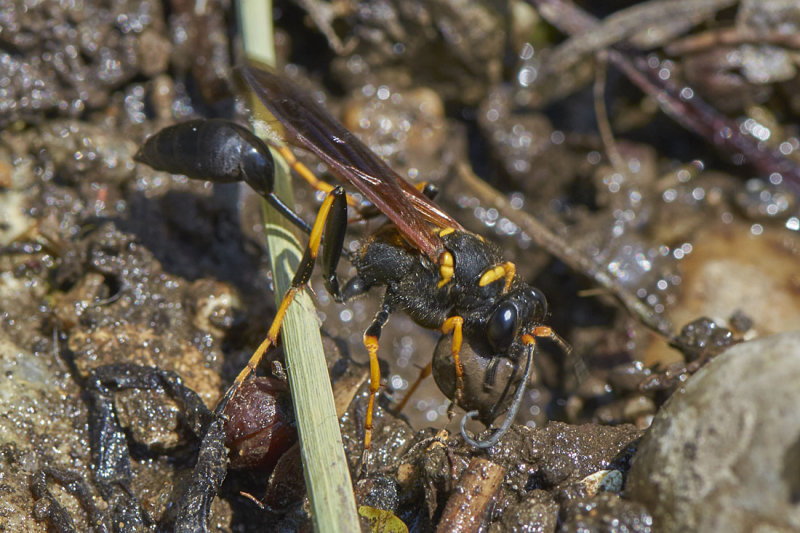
[305,173]
[333,244]
[301,277]
[454,324]
[423,373]
[371,337]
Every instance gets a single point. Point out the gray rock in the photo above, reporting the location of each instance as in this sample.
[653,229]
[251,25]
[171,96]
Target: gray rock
[724,452]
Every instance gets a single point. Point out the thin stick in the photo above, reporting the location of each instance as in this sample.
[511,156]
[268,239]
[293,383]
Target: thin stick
[600,111]
[466,508]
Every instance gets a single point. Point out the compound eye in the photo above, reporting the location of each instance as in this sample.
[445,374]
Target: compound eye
[539,302]
[502,326]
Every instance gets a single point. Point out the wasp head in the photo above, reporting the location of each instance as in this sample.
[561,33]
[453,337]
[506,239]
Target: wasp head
[515,313]
[493,353]
[495,359]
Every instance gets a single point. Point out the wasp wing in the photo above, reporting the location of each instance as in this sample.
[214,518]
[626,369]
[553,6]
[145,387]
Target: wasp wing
[312,127]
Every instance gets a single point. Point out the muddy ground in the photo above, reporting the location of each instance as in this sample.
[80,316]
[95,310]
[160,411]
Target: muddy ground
[645,181]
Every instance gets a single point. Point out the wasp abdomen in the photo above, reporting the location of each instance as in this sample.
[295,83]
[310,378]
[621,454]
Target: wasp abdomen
[216,150]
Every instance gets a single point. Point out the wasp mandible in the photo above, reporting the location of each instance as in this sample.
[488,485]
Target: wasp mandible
[443,277]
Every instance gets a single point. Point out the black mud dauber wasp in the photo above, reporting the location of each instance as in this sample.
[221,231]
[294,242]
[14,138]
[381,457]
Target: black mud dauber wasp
[444,277]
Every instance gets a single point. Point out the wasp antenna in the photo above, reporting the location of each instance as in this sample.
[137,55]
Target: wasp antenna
[558,339]
[512,411]
[578,364]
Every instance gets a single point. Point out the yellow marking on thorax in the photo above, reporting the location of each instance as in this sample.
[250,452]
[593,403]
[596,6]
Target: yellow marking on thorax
[446,268]
[507,270]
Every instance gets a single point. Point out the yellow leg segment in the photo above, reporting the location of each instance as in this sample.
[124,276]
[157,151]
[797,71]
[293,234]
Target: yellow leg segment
[301,277]
[371,343]
[454,325]
[315,239]
[307,175]
[270,340]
